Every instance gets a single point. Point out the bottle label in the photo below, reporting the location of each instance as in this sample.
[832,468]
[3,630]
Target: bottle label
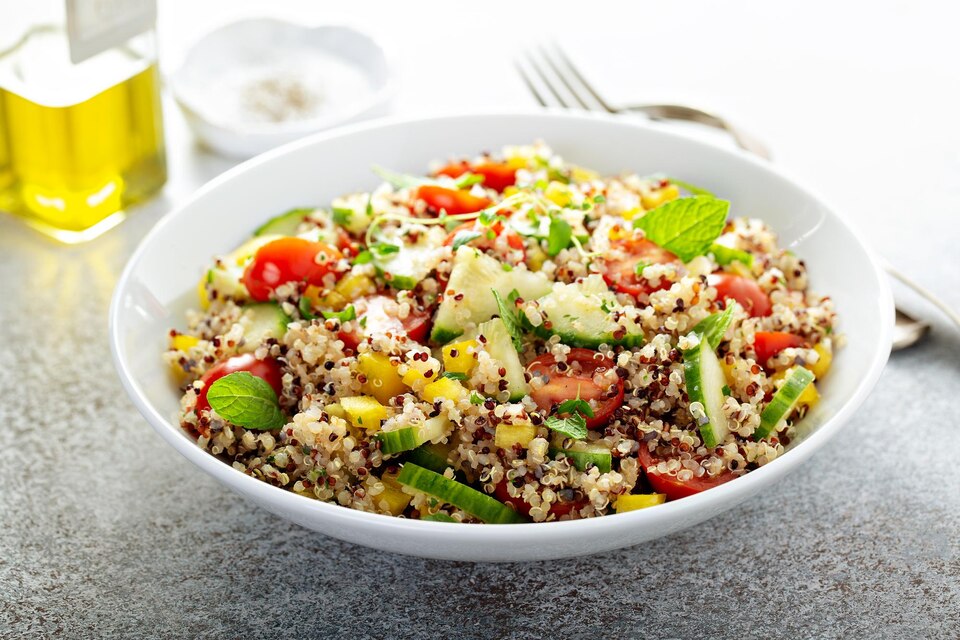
[94,26]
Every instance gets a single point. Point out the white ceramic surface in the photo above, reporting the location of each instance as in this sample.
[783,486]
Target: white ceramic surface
[347,66]
[159,282]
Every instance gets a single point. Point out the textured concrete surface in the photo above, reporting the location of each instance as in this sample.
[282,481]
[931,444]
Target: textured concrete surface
[106,532]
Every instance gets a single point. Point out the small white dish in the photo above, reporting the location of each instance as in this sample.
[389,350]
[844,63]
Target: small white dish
[255,84]
[159,284]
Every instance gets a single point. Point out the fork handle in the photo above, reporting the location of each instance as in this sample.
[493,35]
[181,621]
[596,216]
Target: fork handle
[689,114]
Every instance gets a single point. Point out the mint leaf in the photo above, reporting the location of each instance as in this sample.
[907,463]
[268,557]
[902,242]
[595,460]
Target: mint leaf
[572,427]
[726,255]
[350,313]
[342,216]
[715,325]
[246,401]
[510,321]
[400,180]
[576,405]
[559,236]
[686,227]
[455,375]
[464,237]
[689,188]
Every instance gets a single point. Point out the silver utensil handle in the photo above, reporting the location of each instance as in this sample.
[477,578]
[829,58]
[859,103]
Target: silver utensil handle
[699,116]
[925,293]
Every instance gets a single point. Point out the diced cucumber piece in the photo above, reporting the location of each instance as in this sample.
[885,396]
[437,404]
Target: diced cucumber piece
[262,321]
[783,401]
[473,275]
[226,278]
[500,347]
[705,383]
[474,502]
[405,268]
[584,454]
[430,456]
[285,224]
[586,314]
[408,438]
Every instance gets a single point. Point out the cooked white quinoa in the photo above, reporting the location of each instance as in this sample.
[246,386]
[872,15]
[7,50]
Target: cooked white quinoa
[321,453]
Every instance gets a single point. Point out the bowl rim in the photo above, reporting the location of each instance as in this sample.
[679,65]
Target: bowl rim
[380,94]
[543,532]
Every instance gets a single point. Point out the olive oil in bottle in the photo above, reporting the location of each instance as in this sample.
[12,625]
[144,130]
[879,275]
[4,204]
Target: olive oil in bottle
[79,141]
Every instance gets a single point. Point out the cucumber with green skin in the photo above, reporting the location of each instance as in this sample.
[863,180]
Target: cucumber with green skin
[285,224]
[500,347]
[404,269]
[472,277]
[438,517]
[584,454]
[263,320]
[408,438]
[783,401]
[474,502]
[584,314]
[705,383]
[429,456]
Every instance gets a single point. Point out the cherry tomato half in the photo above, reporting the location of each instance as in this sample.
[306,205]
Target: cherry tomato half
[744,290]
[372,310]
[567,384]
[453,201]
[621,273]
[496,175]
[288,260]
[769,343]
[521,506]
[673,487]
[268,369]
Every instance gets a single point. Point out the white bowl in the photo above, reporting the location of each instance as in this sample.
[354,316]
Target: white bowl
[159,284]
[347,65]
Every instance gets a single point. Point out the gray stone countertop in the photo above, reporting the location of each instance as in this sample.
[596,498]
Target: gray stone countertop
[107,532]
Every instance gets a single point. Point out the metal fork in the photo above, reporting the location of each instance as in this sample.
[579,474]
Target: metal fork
[555,81]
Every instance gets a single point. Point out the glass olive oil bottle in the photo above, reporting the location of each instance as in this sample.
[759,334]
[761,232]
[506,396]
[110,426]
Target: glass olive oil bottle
[79,140]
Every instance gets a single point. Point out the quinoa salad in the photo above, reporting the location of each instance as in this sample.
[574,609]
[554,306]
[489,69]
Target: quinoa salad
[504,338]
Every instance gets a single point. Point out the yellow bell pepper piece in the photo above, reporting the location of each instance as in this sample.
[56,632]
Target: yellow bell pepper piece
[393,499]
[630,214]
[657,197]
[183,342]
[579,174]
[335,410]
[364,411]
[444,388]
[202,292]
[810,395]
[414,377]
[354,286]
[383,381]
[508,435]
[458,356]
[558,193]
[823,364]
[639,501]
[727,372]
